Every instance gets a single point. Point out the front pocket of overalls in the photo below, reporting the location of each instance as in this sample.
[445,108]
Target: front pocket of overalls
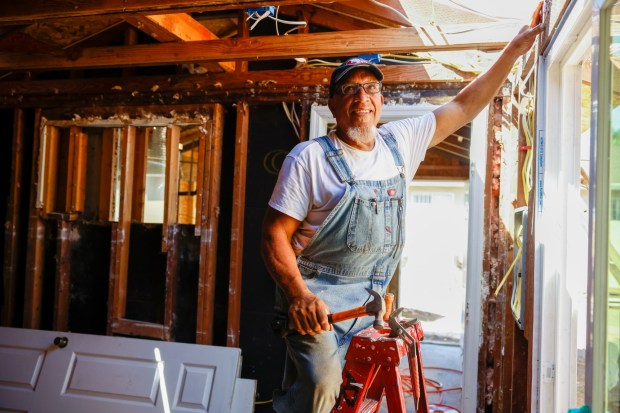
[374,226]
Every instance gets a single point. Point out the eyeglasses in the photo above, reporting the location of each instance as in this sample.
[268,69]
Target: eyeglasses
[371,88]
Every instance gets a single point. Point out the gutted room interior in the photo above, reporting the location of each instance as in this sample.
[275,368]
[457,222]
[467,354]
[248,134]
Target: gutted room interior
[142,141]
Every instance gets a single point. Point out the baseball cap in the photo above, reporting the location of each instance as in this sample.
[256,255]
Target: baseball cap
[351,64]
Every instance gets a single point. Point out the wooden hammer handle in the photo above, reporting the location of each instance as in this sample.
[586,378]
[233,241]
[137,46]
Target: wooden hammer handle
[347,314]
[389,306]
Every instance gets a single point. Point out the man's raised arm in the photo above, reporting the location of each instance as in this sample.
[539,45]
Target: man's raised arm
[475,96]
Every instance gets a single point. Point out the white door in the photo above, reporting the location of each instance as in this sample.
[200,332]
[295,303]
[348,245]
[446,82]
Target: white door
[97,374]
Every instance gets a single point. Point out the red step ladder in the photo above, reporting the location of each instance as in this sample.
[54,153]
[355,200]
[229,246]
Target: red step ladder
[372,370]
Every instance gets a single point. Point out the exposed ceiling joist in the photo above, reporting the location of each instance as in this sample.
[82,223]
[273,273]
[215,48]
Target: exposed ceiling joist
[328,18]
[427,73]
[262,85]
[26,11]
[389,16]
[175,27]
[404,40]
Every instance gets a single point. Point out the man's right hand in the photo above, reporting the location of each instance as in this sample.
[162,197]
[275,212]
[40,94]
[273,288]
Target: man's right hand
[307,314]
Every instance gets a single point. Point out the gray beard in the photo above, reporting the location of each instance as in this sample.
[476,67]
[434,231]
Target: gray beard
[362,135]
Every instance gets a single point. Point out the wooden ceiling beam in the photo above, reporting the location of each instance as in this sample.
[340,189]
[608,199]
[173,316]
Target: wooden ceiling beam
[26,11]
[327,18]
[175,27]
[276,81]
[331,44]
[367,11]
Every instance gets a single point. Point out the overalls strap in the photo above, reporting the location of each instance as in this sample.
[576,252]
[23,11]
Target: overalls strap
[335,158]
[391,143]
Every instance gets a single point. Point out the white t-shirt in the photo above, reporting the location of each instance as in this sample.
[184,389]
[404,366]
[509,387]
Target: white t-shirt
[308,187]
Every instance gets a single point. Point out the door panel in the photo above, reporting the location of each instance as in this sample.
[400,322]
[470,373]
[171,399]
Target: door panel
[98,374]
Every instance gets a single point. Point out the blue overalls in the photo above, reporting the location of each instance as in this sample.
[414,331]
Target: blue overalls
[358,245]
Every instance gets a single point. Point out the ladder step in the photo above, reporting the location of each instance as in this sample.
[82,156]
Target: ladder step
[369,406]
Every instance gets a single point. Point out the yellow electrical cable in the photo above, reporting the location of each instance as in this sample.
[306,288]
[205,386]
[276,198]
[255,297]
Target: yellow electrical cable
[526,169]
[518,256]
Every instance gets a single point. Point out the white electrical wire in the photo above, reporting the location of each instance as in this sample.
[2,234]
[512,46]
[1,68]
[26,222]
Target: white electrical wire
[257,18]
[298,23]
[394,10]
[290,118]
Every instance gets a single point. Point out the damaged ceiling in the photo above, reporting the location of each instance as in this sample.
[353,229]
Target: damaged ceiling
[93,53]
[235,44]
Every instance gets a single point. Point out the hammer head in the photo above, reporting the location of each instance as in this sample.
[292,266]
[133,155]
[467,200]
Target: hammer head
[376,307]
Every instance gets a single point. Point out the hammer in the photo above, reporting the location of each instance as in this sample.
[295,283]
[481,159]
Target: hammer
[374,307]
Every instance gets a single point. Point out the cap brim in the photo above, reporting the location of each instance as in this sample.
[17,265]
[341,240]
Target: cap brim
[374,69]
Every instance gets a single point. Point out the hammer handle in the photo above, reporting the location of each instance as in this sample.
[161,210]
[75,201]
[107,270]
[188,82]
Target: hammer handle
[347,314]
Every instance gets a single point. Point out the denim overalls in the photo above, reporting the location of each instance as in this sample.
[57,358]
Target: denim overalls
[358,246]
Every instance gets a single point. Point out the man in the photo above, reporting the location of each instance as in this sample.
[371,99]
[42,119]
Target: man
[335,221]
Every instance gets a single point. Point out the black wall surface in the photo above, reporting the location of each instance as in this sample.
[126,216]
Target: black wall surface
[90,269]
[271,136]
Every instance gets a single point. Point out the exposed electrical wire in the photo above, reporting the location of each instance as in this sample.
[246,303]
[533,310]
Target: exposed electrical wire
[517,258]
[257,18]
[432,386]
[527,120]
[292,118]
[267,14]
[394,10]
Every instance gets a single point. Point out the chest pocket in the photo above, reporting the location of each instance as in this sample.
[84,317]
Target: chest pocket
[375,226]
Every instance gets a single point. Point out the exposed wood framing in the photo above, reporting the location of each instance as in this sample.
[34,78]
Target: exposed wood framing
[119,250]
[202,171]
[209,212]
[77,190]
[49,170]
[130,39]
[13,214]
[505,326]
[279,85]
[330,19]
[36,243]
[243,30]
[106,174]
[63,276]
[367,12]
[138,328]
[323,44]
[504,351]
[171,189]
[65,172]
[139,176]
[489,265]
[304,122]
[177,27]
[25,11]
[238,221]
